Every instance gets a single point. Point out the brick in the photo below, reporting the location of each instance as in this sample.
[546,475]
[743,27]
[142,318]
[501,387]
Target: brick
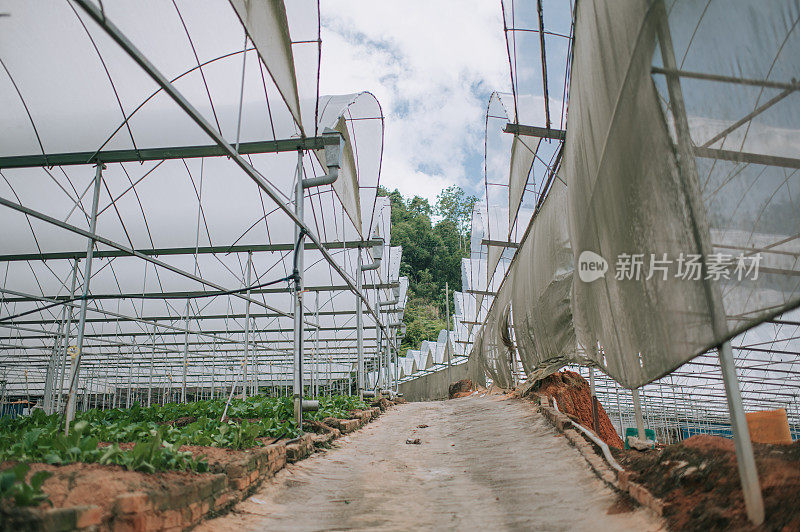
[172,518]
[195,512]
[224,500]
[235,470]
[623,478]
[322,439]
[57,519]
[132,503]
[89,516]
[153,521]
[300,449]
[137,522]
[124,524]
[638,493]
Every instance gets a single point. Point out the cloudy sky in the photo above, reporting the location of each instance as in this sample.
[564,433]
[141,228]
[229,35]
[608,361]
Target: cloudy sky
[432,66]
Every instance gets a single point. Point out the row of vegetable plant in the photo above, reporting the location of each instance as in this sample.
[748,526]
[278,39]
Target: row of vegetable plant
[157,433]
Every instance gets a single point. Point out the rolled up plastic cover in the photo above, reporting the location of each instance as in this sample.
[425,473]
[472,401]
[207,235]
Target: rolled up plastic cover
[266,25]
[542,288]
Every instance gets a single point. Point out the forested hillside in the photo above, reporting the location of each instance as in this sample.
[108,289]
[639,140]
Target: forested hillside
[434,239]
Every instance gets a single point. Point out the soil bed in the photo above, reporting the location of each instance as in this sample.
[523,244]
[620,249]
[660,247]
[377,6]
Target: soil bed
[698,480]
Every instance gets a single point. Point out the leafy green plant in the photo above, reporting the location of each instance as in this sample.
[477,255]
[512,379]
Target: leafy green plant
[152,455]
[39,437]
[13,485]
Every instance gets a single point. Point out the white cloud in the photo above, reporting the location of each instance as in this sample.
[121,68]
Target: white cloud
[432,66]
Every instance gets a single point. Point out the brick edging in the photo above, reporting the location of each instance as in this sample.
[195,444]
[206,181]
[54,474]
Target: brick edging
[619,480]
[183,507]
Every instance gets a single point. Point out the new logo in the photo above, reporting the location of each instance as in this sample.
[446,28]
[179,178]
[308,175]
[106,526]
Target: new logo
[591,266]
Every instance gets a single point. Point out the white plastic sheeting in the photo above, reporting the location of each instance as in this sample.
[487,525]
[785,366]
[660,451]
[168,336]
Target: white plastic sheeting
[541,280]
[624,194]
[629,194]
[65,86]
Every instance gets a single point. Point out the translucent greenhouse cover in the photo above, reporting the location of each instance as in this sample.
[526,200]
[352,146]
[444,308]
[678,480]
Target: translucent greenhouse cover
[628,192]
[250,70]
[543,274]
[625,192]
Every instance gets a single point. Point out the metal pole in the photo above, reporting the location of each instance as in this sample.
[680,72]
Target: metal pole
[130,377]
[667,435]
[595,415]
[73,377]
[744,450]
[52,366]
[87,386]
[637,412]
[213,366]
[359,328]
[447,342]
[27,393]
[389,361]
[247,324]
[150,382]
[619,411]
[185,353]
[297,384]
[396,367]
[65,344]
[316,348]
[379,349]
[741,437]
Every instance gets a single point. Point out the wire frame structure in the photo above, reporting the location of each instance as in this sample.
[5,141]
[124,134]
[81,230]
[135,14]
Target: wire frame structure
[677,141]
[183,213]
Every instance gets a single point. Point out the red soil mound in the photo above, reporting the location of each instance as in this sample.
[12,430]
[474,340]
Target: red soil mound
[572,394]
[461,388]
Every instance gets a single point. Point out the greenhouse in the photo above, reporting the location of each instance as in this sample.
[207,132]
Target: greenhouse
[220,256]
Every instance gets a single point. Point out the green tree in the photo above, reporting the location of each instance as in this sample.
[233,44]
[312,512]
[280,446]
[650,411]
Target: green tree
[431,257]
[455,206]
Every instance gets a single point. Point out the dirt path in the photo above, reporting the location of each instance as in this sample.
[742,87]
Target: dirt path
[483,463]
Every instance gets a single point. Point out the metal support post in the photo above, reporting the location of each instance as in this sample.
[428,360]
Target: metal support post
[386,355]
[213,366]
[741,437]
[447,340]
[185,353]
[65,344]
[396,362]
[744,450]
[247,323]
[360,328]
[150,381]
[87,274]
[297,381]
[595,415]
[27,393]
[52,365]
[316,348]
[637,412]
[130,384]
[664,416]
[619,411]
